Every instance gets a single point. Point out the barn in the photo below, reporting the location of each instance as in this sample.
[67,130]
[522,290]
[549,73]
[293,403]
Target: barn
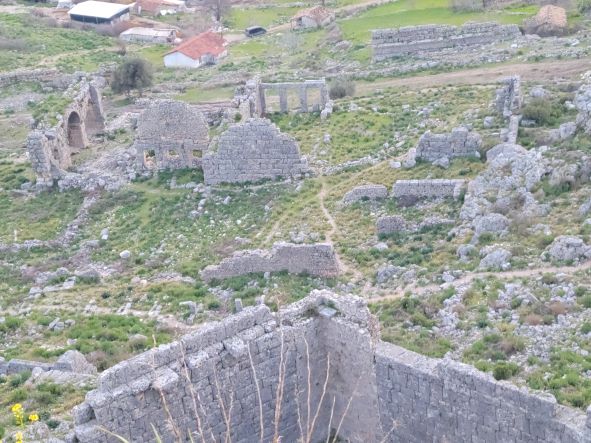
[99,13]
[203,49]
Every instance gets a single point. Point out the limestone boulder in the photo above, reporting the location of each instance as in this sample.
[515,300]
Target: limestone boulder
[494,259]
[568,248]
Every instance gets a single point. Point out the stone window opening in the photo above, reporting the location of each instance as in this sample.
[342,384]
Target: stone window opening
[150,159]
[197,153]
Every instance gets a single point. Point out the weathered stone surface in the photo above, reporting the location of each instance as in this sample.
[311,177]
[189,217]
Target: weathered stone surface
[390,224]
[253,151]
[413,40]
[494,259]
[317,259]
[434,188]
[549,21]
[170,135]
[365,192]
[508,97]
[461,142]
[428,399]
[568,248]
[491,223]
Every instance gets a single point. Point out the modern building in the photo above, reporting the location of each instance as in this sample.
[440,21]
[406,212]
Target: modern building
[98,13]
[203,49]
[148,35]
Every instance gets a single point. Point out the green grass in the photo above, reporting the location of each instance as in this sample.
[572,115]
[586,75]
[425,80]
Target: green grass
[241,18]
[199,95]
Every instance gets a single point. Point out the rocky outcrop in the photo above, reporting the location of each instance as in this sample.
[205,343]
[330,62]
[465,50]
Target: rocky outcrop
[568,248]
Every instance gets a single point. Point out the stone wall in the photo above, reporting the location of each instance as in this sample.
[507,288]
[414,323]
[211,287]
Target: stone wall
[416,40]
[48,77]
[508,102]
[318,259]
[170,135]
[253,151]
[461,142]
[429,188]
[365,192]
[50,149]
[395,395]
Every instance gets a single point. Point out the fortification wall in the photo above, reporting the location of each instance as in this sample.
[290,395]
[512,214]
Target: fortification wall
[461,142]
[49,77]
[365,192]
[415,40]
[318,259]
[253,151]
[395,395]
[435,188]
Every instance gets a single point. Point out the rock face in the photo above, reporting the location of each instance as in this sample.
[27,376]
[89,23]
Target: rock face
[582,103]
[240,357]
[567,248]
[390,224]
[318,259]
[253,151]
[504,186]
[490,223]
[365,192]
[170,135]
[459,143]
[494,259]
[413,40]
[549,21]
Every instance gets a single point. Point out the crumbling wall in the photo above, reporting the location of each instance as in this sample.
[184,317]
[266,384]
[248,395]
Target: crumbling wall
[318,259]
[170,135]
[429,188]
[395,395]
[51,149]
[365,192]
[508,102]
[461,142]
[416,40]
[253,151]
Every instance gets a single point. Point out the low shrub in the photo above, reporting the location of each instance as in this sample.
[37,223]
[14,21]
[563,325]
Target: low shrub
[341,87]
[505,370]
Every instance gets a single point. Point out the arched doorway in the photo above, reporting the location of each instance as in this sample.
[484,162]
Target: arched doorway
[75,138]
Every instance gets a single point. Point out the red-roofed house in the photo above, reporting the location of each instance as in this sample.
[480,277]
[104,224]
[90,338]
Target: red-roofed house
[203,49]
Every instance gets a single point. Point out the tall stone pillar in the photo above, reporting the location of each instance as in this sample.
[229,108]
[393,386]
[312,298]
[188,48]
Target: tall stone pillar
[262,104]
[304,98]
[323,96]
[283,100]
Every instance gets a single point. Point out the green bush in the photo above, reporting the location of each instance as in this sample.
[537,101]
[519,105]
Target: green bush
[341,87]
[586,301]
[543,111]
[504,370]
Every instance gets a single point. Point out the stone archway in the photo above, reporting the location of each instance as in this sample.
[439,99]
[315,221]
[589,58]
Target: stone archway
[94,121]
[75,136]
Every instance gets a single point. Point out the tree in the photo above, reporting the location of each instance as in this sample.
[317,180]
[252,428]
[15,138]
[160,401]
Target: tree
[218,8]
[134,73]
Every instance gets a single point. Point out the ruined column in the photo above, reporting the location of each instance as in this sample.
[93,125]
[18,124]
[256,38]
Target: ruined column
[304,98]
[261,105]
[323,96]
[283,100]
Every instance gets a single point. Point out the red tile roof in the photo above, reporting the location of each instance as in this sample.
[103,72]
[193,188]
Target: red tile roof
[200,45]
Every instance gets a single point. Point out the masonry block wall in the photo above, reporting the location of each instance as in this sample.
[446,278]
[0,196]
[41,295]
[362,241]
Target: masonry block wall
[461,142]
[415,40]
[380,391]
[428,188]
[317,259]
[253,151]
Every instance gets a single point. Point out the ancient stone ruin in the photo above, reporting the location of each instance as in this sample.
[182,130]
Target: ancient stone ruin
[252,98]
[413,190]
[461,142]
[365,192]
[253,151]
[508,103]
[424,39]
[257,360]
[317,259]
[50,150]
[170,135]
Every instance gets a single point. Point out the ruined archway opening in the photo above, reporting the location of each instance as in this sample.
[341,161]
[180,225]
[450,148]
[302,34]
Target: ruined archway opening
[75,138]
[150,159]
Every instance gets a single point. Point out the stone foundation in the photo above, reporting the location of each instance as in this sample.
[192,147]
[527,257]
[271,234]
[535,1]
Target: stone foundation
[318,259]
[253,151]
[416,40]
[365,192]
[459,143]
[250,360]
[422,189]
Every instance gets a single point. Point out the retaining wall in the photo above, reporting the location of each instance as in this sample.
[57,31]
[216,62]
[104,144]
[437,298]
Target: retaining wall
[318,259]
[395,395]
[414,40]
[365,192]
[421,189]
[461,142]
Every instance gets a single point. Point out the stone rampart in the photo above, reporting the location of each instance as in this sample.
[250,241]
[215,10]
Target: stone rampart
[48,77]
[253,151]
[416,40]
[318,259]
[365,192]
[429,188]
[461,142]
[229,377]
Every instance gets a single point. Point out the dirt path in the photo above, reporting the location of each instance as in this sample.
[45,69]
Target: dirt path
[548,70]
[469,278]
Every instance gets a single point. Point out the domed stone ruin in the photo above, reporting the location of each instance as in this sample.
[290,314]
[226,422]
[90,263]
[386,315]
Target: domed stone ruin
[170,135]
[314,367]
